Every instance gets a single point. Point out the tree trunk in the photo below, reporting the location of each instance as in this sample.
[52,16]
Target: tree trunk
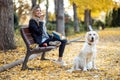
[47,17]
[87,18]
[33,3]
[76,26]
[6,25]
[59,9]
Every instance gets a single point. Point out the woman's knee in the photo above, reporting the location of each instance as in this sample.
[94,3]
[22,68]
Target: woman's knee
[64,41]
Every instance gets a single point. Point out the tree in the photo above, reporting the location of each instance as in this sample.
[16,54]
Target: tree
[47,17]
[92,8]
[87,18]
[113,17]
[108,19]
[116,17]
[76,26]
[33,3]
[6,25]
[22,10]
[59,9]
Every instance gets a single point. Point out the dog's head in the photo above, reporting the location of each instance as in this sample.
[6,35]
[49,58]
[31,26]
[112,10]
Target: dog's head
[91,37]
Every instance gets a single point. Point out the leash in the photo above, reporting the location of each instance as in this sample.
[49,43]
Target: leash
[78,39]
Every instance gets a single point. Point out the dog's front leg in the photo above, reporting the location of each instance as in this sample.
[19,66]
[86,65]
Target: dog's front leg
[84,65]
[94,66]
[77,63]
[85,69]
[77,67]
[93,62]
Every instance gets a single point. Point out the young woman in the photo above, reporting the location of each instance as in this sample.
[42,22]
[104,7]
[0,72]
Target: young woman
[40,35]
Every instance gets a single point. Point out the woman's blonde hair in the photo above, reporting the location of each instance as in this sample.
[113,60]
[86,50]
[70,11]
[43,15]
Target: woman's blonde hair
[33,13]
[34,8]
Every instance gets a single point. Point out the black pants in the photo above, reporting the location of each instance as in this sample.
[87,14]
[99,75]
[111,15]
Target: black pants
[62,46]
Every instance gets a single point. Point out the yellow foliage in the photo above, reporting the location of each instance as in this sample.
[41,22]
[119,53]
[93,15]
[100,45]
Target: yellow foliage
[96,6]
[107,61]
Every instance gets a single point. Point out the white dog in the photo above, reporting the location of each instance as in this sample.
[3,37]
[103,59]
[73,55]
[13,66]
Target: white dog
[85,60]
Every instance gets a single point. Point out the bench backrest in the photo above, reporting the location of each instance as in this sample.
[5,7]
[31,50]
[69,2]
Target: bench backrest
[26,35]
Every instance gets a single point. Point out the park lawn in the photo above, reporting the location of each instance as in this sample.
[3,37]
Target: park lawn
[107,61]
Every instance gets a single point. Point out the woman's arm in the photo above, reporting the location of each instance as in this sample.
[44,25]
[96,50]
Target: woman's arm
[35,28]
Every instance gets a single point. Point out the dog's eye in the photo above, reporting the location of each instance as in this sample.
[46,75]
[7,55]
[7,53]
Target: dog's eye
[89,34]
[94,34]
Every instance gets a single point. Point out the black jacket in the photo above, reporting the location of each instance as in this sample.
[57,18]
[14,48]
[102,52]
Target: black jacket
[36,30]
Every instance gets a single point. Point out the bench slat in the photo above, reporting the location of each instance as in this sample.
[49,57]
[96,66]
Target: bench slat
[31,41]
[43,49]
[26,30]
[27,35]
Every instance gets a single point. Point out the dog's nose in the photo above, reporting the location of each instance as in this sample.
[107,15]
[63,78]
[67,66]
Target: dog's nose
[92,39]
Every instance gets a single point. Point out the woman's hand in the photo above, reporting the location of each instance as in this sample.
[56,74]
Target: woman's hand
[45,44]
[42,17]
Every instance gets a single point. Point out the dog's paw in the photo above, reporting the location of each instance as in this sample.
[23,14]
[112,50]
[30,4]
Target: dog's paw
[70,70]
[78,69]
[85,69]
[95,68]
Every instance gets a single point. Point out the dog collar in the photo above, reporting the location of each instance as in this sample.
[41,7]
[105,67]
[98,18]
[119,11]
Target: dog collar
[89,44]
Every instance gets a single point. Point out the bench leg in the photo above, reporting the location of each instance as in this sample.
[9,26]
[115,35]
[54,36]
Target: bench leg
[24,66]
[43,56]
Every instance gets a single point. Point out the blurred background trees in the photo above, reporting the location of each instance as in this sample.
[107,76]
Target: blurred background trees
[74,18]
[113,18]
[76,26]
[90,12]
[59,11]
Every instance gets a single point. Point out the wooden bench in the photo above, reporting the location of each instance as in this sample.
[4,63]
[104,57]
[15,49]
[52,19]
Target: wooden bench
[27,38]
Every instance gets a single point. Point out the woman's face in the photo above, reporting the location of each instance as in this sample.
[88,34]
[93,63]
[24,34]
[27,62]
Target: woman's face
[38,12]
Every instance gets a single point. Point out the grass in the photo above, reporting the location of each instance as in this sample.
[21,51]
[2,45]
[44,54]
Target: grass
[108,61]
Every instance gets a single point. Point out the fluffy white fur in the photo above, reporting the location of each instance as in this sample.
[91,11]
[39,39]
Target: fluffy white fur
[86,58]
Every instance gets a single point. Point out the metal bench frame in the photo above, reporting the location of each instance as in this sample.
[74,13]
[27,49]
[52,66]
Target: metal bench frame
[28,39]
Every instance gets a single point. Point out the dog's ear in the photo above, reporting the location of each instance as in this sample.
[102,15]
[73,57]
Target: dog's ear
[97,36]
